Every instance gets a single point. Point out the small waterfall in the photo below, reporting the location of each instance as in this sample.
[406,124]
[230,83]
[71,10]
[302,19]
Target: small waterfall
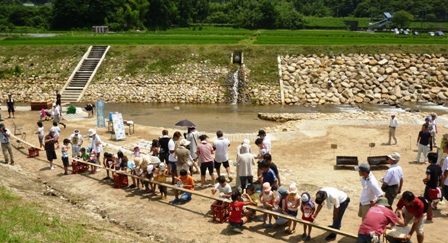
[235,87]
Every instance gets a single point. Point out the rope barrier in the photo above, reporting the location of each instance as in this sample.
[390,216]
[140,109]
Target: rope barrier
[280,215]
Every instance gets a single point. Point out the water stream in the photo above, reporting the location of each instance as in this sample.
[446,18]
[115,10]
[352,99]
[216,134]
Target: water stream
[235,87]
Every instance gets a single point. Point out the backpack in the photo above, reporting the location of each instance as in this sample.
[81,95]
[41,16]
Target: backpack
[425,203]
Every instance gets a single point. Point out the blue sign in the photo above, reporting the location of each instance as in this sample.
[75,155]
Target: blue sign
[100,120]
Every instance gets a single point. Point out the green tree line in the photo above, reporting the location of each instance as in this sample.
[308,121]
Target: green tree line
[164,14]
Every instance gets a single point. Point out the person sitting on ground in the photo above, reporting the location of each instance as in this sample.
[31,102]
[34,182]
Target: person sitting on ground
[267,198]
[307,208]
[64,150]
[268,158]
[224,189]
[183,181]
[293,204]
[43,115]
[253,197]
[161,173]
[268,176]
[236,218]
[433,174]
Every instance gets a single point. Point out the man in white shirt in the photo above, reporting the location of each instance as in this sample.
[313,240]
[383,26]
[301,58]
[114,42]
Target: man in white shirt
[172,160]
[266,140]
[221,147]
[371,191]
[76,140]
[434,130]
[97,145]
[393,124]
[5,139]
[339,200]
[393,180]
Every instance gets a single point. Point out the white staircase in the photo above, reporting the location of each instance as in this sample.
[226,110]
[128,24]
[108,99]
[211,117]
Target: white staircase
[78,82]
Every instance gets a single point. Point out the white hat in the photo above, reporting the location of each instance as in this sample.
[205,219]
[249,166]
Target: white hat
[292,188]
[162,166]
[91,132]
[394,156]
[246,141]
[76,131]
[184,142]
[305,197]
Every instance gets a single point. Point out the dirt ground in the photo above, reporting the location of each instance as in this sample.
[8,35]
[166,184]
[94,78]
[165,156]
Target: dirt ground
[131,215]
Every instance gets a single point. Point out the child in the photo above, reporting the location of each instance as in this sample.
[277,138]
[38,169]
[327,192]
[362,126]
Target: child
[433,173]
[93,159]
[147,174]
[108,162]
[137,152]
[268,176]
[251,196]
[155,148]
[40,133]
[307,208]
[261,151]
[56,130]
[267,198]
[161,175]
[138,171]
[132,165]
[236,220]
[225,191]
[268,158]
[64,149]
[293,203]
[183,181]
[43,115]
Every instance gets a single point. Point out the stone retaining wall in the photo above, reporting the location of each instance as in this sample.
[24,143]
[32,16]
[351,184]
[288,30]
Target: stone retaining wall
[361,78]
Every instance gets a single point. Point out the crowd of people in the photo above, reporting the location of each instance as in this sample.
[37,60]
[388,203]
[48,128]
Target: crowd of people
[176,159]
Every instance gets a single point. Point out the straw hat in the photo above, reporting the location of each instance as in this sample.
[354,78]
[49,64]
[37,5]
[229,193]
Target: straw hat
[292,188]
[91,132]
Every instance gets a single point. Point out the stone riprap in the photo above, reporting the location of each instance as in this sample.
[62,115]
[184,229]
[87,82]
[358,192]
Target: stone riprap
[356,78]
[362,78]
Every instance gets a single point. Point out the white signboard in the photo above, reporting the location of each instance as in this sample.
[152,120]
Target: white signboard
[117,120]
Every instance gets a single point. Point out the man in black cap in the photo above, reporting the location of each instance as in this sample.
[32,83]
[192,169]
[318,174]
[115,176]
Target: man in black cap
[340,201]
[5,139]
[266,140]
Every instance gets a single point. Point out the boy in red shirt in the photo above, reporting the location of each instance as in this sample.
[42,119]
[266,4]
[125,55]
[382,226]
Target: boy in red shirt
[236,218]
[183,181]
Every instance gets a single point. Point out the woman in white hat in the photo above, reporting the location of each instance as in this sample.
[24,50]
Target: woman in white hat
[96,143]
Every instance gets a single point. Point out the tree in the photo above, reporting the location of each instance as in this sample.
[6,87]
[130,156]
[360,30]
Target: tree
[161,14]
[132,15]
[287,16]
[69,14]
[402,19]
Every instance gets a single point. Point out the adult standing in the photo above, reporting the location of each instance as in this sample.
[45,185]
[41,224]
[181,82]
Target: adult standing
[339,200]
[440,153]
[221,147]
[393,124]
[371,191]
[164,151]
[10,105]
[193,138]
[172,161]
[429,128]
[434,129]
[183,156]
[433,173]
[57,115]
[58,98]
[97,144]
[49,147]
[204,152]
[5,138]
[266,140]
[245,163]
[444,180]
[376,220]
[393,180]
[412,207]
[76,140]
[423,140]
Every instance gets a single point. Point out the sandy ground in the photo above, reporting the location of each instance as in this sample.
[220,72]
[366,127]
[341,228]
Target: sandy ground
[131,215]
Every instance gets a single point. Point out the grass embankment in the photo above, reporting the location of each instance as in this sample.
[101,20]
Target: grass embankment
[158,52]
[22,221]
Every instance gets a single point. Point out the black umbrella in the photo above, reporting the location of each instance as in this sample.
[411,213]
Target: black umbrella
[185,123]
